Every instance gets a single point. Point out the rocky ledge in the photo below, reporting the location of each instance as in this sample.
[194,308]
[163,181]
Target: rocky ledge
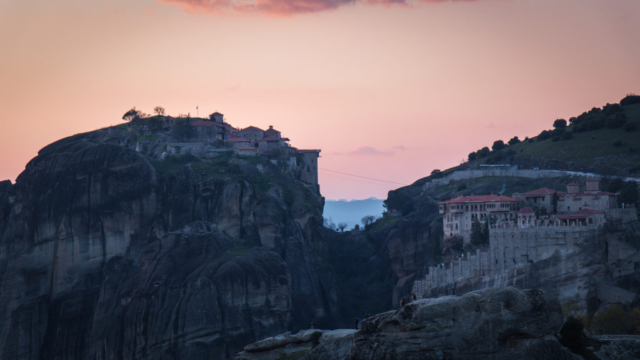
[505,323]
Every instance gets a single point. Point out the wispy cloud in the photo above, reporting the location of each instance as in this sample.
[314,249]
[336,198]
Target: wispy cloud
[370,151]
[283,7]
[400,148]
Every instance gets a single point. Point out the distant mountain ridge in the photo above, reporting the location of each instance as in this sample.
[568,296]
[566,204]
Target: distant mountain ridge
[351,212]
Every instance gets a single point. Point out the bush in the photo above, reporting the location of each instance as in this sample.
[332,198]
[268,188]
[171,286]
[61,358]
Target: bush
[629,126]
[617,143]
[484,152]
[497,145]
[560,124]
[544,135]
[472,156]
[514,140]
[511,152]
[461,187]
[555,138]
[616,121]
[567,135]
[615,185]
[630,99]
[629,193]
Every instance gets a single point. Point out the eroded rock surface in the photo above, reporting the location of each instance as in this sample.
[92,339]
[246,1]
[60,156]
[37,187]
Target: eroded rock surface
[106,254]
[502,323]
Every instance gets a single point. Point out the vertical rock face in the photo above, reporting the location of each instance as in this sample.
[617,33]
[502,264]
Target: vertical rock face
[106,255]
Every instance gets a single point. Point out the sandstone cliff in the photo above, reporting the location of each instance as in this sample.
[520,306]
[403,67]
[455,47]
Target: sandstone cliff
[107,254]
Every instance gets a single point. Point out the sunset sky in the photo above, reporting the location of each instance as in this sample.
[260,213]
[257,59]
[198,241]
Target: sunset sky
[387,89]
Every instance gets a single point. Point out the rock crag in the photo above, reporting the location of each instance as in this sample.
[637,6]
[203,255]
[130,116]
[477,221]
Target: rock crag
[502,323]
[496,324]
[106,253]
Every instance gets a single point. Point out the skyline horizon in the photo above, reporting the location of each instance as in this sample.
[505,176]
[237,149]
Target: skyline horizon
[386,92]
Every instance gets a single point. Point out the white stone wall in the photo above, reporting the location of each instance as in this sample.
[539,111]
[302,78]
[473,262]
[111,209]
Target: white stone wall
[510,247]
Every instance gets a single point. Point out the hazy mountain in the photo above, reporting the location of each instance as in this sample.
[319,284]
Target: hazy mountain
[352,211]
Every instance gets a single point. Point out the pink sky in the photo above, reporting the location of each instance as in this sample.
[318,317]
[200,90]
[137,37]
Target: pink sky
[386,91]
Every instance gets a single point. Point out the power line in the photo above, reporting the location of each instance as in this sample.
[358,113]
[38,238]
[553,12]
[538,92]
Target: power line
[356,180]
[363,177]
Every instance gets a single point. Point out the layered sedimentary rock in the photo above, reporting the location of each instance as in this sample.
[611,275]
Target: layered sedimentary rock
[107,254]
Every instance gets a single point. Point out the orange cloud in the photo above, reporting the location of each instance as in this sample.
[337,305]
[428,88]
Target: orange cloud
[273,7]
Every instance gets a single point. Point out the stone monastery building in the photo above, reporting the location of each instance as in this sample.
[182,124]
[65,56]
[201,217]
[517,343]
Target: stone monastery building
[459,214]
[522,229]
[214,136]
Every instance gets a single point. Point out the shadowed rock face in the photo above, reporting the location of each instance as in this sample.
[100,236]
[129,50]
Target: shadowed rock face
[502,323]
[103,256]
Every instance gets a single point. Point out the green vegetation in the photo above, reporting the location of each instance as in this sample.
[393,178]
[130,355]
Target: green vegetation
[599,137]
[223,166]
[182,129]
[382,222]
[479,233]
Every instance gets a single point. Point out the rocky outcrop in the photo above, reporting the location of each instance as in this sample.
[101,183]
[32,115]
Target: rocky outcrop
[108,254]
[502,323]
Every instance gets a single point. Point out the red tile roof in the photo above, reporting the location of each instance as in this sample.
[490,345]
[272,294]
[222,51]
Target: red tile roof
[572,184]
[479,198]
[238,140]
[251,128]
[526,210]
[269,139]
[541,191]
[272,131]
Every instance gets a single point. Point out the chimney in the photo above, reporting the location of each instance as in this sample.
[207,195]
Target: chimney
[270,127]
[492,193]
[459,195]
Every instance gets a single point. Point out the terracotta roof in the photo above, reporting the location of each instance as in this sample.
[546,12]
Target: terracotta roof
[216,113]
[251,128]
[285,139]
[272,131]
[541,191]
[592,180]
[238,139]
[479,198]
[572,184]
[269,139]
[526,210]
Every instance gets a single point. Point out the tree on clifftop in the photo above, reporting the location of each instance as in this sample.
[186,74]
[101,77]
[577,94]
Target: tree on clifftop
[159,110]
[131,114]
[514,140]
[497,145]
[560,124]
